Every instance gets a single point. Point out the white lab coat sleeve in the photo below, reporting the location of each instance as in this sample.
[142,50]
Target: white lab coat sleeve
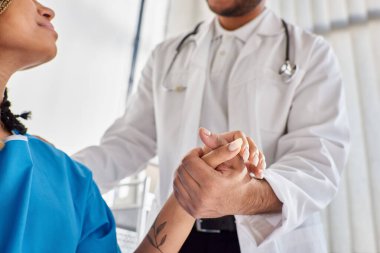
[311,156]
[129,143]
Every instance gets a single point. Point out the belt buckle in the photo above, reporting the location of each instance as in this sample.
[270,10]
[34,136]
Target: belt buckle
[198,226]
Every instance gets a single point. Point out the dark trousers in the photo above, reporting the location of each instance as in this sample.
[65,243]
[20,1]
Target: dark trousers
[224,242]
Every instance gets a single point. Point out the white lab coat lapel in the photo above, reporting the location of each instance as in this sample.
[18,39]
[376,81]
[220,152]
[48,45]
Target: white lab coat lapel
[194,94]
[270,26]
[242,101]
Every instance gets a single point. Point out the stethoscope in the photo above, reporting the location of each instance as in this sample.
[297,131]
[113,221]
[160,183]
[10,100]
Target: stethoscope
[287,70]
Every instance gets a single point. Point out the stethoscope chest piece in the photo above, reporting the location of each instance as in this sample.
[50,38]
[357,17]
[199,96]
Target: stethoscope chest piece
[287,70]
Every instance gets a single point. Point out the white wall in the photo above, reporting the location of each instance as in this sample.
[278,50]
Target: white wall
[79,94]
[185,14]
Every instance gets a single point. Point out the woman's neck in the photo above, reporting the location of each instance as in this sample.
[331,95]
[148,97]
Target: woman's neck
[4,78]
[3,81]
[4,133]
[6,71]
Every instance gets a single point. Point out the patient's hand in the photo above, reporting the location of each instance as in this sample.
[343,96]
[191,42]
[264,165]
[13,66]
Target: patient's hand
[250,156]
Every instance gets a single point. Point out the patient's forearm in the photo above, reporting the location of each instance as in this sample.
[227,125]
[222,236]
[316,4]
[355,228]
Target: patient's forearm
[169,231]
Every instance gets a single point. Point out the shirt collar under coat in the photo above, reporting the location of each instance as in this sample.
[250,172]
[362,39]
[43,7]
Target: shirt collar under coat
[269,24]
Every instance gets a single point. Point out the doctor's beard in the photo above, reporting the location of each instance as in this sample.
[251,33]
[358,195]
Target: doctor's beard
[232,8]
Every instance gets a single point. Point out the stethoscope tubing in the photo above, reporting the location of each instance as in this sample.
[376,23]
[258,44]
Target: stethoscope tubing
[287,69]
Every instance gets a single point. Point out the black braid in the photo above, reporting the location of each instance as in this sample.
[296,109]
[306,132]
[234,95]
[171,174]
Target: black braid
[10,120]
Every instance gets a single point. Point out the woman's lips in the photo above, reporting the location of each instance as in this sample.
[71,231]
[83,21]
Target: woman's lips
[48,26]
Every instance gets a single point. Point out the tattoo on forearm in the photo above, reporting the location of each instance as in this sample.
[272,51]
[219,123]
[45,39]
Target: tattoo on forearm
[156,231]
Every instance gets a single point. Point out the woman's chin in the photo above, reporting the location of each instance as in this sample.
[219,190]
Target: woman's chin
[48,56]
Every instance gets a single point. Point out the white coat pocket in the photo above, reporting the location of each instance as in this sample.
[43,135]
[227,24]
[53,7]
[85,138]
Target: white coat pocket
[171,95]
[175,82]
[275,96]
[271,97]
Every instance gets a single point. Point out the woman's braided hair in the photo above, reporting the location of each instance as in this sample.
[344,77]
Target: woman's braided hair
[9,120]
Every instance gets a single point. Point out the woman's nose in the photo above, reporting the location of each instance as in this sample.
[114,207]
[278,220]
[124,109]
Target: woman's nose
[45,11]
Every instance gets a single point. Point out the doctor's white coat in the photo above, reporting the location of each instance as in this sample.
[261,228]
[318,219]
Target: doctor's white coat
[300,124]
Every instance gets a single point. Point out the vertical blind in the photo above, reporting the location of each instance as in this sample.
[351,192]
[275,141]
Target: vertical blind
[352,27]
[353,219]
[324,15]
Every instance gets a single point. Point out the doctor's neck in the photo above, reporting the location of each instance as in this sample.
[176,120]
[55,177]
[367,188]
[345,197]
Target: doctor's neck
[233,23]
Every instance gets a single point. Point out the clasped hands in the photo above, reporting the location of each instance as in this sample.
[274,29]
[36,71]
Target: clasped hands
[213,181]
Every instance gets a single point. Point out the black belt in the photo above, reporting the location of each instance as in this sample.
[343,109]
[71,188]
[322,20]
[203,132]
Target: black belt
[218,225]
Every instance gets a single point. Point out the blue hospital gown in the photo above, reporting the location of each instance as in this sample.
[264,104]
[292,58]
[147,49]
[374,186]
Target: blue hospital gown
[50,203]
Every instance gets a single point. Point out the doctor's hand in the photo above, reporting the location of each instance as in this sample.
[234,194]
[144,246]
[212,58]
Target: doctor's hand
[206,191]
[193,193]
